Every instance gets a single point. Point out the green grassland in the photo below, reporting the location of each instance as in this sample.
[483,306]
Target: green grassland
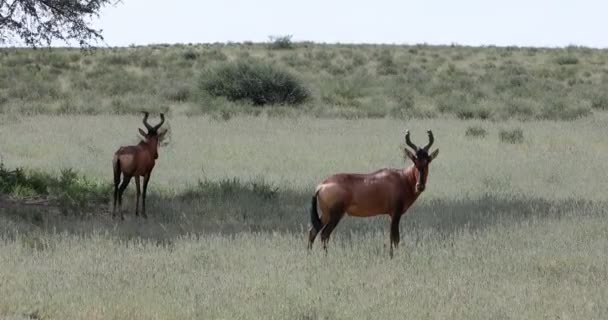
[512,224]
[506,229]
[344,81]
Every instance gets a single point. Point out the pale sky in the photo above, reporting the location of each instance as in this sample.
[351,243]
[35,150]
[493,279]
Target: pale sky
[465,22]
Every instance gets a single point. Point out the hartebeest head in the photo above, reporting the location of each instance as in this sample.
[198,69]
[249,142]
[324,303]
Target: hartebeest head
[421,159]
[153,136]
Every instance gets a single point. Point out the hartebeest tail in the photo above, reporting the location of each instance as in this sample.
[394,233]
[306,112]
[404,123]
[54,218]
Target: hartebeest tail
[314,215]
[137,161]
[386,191]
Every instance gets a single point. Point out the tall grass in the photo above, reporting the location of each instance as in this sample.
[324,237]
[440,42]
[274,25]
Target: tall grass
[502,231]
[535,269]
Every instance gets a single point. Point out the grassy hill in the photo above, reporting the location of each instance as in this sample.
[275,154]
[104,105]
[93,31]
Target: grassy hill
[348,81]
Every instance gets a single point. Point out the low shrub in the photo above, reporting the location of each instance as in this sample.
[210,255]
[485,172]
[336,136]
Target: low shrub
[256,81]
[280,42]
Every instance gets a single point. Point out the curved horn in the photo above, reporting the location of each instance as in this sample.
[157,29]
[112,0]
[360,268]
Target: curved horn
[431,140]
[162,120]
[145,121]
[409,142]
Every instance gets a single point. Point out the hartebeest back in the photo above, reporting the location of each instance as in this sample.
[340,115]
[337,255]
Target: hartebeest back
[137,161]
[386,191]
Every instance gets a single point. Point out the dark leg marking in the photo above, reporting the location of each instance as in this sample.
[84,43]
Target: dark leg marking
[125,182]
[137,196]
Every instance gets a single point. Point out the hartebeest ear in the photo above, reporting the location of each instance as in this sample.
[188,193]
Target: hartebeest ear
[161,134]
[409,154]
[143,134]
[434,154]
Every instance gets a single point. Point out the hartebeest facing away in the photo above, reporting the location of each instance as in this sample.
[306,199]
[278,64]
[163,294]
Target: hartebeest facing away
[386,191]
[137,161]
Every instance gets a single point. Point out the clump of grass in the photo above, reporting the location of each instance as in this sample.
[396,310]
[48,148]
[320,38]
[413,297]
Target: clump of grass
[256,81]
[19,182]
[513,136]
[280,42]
[600,102]
[231,187]
[71,191]
[476,132]
[564,109]
[345,91]
[74,192]
[566,60]
[386,63]
[190,55]
[179,92]
[215,54]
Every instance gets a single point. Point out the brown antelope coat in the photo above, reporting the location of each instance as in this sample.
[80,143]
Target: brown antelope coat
[136,161]
[386,191]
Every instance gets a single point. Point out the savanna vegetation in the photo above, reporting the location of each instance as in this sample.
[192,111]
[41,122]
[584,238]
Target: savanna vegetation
[335,81]
[512,224]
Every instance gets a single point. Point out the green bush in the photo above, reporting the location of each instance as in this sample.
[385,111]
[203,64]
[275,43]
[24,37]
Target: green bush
[511,136]
[280,42]
[70,191]
[261,83]
[190,55]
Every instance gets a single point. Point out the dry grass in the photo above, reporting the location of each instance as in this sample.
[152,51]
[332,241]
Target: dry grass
[503,231]
[537,269]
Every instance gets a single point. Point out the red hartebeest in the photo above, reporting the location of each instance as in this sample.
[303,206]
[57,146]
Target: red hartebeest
[137,161]
[386,191]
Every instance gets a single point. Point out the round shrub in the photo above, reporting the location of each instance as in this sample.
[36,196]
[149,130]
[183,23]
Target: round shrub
[259,82]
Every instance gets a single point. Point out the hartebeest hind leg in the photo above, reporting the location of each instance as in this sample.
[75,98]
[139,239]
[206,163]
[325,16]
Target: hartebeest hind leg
[312,235]
[334,218]
[116,184]
[125,183]
[138,194]
[143,197]
[394,232]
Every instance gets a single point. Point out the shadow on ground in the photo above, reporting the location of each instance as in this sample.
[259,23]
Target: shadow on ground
[230,207]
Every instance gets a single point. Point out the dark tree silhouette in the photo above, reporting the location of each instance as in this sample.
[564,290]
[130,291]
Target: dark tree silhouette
[39,22]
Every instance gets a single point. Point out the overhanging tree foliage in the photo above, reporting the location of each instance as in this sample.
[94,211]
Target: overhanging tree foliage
[39,22]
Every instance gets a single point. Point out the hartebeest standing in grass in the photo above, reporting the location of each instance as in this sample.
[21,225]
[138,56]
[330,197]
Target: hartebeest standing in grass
[386,191]
[137,161]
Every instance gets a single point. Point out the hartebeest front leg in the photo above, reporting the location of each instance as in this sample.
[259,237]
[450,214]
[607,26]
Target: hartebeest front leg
[395,238]
[137,195]
[143,198]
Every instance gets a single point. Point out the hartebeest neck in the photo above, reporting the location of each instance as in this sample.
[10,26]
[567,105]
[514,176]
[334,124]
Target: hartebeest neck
[151,145]
[411,178]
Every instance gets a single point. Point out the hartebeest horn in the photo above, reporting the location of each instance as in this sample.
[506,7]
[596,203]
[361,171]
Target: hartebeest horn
[409,142]
[162,120]
[431,140]
[148,126]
